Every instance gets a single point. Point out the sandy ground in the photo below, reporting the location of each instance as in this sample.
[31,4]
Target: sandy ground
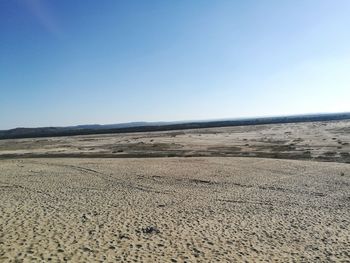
[322,141]
[206,203]
[200,209]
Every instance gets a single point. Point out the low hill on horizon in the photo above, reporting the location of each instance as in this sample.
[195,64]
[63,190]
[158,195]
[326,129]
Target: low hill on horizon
[161,126]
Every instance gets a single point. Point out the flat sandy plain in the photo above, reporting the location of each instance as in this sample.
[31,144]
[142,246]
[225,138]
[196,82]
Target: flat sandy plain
[273,193]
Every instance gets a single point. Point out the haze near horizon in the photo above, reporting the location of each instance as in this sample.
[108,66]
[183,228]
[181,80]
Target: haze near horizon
[79,62]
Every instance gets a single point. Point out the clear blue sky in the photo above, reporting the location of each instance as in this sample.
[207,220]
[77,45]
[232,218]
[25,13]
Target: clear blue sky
[65,62]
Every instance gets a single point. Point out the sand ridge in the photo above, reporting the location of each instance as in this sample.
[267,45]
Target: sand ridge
[321,141]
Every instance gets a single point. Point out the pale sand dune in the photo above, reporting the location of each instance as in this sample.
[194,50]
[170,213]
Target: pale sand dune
[206,210]
[322,141]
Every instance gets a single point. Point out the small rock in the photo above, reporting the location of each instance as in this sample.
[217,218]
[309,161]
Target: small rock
[84,218]
[150,230]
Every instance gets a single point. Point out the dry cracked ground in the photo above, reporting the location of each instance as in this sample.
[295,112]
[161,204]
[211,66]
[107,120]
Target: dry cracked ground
[212,207]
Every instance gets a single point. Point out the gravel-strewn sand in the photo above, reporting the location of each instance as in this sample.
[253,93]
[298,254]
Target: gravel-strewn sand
[205,209]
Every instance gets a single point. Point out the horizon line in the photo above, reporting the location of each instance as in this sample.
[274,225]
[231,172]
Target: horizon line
[185,121]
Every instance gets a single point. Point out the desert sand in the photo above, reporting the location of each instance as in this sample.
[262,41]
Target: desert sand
[208,208]
[323,141]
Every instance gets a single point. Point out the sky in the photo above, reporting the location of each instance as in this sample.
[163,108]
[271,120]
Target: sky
[65,62]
